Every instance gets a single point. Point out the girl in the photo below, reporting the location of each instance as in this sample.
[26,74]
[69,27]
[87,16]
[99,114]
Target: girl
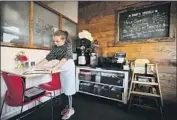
[62,50]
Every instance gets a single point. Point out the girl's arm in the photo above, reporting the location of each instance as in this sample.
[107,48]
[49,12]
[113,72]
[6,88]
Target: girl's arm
[38,64]
[41,62]
[48,57]
[60,63]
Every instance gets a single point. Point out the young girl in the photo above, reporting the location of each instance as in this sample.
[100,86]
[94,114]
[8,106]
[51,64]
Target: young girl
[62,51]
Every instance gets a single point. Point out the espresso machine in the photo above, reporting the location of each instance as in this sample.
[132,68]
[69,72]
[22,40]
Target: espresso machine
[83,51]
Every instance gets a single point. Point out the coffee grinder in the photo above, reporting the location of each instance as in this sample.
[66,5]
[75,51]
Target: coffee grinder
[94,54]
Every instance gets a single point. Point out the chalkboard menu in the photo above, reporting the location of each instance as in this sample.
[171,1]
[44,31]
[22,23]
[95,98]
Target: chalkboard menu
[145,23]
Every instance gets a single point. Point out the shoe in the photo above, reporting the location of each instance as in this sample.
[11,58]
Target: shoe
[64,110]
[68,114]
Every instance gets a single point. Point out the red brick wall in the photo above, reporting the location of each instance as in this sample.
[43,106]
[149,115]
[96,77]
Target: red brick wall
[99,19]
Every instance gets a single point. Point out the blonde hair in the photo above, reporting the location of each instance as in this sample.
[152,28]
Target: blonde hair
[64,35]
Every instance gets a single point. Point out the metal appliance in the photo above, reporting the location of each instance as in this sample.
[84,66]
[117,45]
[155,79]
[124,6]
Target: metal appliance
[94,54]
[93,59]
[115,62]
[81,58]
[82,51]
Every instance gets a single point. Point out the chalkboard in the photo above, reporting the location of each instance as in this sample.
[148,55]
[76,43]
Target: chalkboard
[152,22]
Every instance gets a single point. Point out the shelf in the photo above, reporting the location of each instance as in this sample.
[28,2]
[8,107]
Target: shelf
[101,83]
[101,69]
[123,85]
[100,96]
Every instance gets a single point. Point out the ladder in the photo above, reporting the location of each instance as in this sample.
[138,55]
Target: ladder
[148,77]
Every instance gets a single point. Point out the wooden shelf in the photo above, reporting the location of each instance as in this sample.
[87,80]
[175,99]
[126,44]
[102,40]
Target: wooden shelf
[145,94]
[145,83]
[145,75]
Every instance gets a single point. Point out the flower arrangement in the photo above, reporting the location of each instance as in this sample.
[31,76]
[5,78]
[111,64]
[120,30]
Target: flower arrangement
[20,59]
[94,43]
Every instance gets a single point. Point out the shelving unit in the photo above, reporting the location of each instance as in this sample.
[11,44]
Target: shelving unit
[108,84]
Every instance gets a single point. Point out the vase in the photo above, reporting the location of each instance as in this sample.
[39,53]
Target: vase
[20,65]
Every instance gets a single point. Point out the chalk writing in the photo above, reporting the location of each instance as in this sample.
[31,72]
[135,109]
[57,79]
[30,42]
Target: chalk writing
[145,23]
[41,27]
[43,32]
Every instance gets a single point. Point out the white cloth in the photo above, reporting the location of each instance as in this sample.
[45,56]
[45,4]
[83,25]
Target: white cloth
[67,77]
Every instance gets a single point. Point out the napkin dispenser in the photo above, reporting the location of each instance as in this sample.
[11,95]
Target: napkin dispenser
[121,57]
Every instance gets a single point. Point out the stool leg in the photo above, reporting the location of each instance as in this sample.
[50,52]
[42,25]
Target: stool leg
[2,108]
[54,93]
[52,105]
[20,112]
[35,103]
[130,102]
[159,108]
[55,96]
[58,98]
[161,112]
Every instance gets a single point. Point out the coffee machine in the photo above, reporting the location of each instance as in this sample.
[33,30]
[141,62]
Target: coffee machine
[83,51]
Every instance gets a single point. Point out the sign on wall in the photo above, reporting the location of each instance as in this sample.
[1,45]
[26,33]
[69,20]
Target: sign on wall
[151,22]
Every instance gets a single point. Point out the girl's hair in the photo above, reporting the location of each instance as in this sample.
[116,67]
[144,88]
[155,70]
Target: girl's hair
[64,35]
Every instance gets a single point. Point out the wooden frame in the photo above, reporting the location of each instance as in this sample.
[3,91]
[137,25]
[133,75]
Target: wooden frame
[31,28]
[117,41]
[0,22]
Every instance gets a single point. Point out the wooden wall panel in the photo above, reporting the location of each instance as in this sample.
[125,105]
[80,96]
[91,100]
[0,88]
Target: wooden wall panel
[101,23]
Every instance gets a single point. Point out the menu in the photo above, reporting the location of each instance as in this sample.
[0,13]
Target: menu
[43,69]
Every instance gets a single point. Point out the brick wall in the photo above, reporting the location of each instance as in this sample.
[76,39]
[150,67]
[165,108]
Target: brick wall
[99,19]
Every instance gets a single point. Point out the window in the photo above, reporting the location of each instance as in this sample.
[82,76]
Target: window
[71,28]
[15,22]
[45,24]
[31,24]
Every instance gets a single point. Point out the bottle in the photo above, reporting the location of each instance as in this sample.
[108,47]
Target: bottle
[82,60]
[93,59]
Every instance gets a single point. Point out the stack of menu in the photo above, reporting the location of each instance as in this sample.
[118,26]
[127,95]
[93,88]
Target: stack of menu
[42,69]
